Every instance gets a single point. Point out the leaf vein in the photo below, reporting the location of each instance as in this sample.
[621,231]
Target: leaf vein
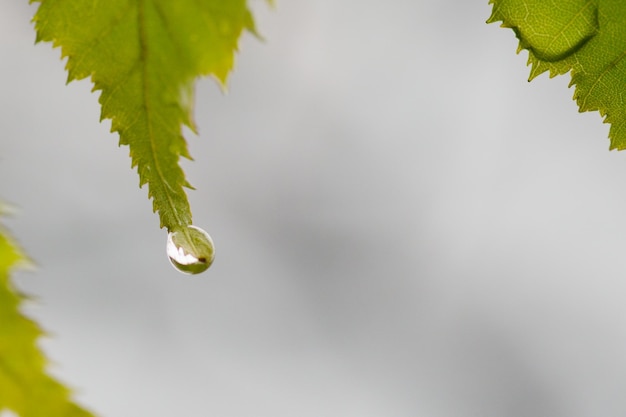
[598,80]
[143,42]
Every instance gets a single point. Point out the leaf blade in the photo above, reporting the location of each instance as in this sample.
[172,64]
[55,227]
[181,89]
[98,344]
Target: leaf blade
[144,56]
[597,64]
[25,388]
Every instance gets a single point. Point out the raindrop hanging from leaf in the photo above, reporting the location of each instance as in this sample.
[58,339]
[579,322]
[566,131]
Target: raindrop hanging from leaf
[190,250]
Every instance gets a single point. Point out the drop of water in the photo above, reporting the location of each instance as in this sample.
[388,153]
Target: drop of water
[190,250]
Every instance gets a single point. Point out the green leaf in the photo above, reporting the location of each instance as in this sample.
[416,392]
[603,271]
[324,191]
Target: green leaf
[584,37]
[25,388]
[144,56]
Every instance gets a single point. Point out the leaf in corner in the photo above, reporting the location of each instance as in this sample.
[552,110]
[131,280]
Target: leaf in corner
[144,57]
[584,37]
[25,388]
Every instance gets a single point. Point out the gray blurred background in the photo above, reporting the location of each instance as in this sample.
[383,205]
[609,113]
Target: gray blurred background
[404,226]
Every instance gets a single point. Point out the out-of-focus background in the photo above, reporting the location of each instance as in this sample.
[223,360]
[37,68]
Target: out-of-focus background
[404,226]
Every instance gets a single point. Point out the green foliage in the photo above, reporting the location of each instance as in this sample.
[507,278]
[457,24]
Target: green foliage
[144,56]
[586,37]
[25,388]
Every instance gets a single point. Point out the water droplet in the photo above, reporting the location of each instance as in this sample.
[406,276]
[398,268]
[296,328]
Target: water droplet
[190,250]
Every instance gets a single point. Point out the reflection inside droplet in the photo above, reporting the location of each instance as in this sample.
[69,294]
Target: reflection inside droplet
[190,250]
